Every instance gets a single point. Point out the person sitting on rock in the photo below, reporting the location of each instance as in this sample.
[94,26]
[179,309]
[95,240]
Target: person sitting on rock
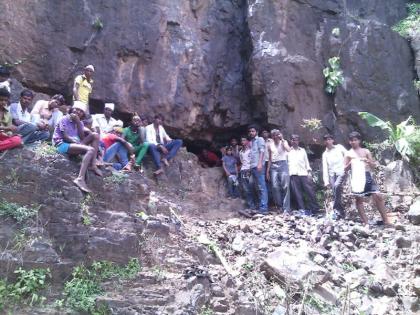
[278,170]
[133,135]
[161,144]
[230,167]
[105,123]
[245,178]
[333,172]
[69,138]
[361,157]
[208,158]
[22,119]
[48,112]
[117,150]
[301,179]
[9,138]
[82,87]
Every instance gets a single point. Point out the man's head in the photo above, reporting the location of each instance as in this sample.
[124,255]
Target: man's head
[26,97]
[4,73]
[294,139]
[265,134]
[276,135]
[145,120]
[158,120]
[109,110]
[88,71]
[252,131]
[136,121]
[244,141]
[328,140]
[52,104]
[229,151]
[233,142]
[79,108]
[4,97]
[355,139]
[60,99]
[88,121]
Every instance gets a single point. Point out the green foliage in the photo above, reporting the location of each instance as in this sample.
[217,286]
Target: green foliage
[115,178]
[25,289]
[333,74]
[205,310]
[404,137]
[80,292]
[312,124]
[411,24]
[97,24]
[44,150]
[417,85]
[17,212]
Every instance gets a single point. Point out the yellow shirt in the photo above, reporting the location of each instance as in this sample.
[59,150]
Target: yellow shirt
[85,88]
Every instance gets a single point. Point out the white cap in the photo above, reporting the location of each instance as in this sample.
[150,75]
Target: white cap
[90,67]
[80,105]
[111,106]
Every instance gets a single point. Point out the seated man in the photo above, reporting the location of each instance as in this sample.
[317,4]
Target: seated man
[208,158]
[48,112]
[69,137]
[161,144]
[133,135]
[8,137]
[105,123]
[22,119]
[117,150]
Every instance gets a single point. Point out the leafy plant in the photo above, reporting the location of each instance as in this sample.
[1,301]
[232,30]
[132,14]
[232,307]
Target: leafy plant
[411,24]
[44,150]
[312,124]
[404,137]
[205,310]
[333,74]
[115,178]
[25,289]
[417,85]
[17,212]
[97,24]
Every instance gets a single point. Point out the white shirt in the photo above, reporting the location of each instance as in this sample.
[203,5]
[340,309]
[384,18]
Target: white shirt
[245,159]
[278,152]
[333,162]
[5,85]
[298,162]
[105,125]
[151,135]
[17,113]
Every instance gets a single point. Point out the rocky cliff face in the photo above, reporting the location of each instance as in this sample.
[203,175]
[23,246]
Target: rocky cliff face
[215,66]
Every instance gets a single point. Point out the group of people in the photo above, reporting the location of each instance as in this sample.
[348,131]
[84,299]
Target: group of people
[100,138]
[269,165]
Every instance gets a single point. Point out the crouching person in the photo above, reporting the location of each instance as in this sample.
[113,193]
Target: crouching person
[8,136]
[117,150]
[69,138]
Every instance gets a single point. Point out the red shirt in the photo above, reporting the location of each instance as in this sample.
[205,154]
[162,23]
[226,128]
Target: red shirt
[109,139]
[211,159]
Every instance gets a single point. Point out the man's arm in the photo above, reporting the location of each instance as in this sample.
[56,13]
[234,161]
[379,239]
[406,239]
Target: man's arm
[165,136]
[305,156]
[270,156]
[285,145]
[325,170]
[369,159]
[15,115]
[261,149]
[76,88]
[225,169]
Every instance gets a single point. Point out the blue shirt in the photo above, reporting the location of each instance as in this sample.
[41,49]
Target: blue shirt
[230,164]
[257,147]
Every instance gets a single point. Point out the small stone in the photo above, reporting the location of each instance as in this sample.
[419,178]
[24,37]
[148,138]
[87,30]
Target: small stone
[361,231]
[403,242]
[376,289]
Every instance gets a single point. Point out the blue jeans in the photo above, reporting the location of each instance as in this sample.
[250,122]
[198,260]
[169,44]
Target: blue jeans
[117,150]
[280,183]
[172,146]
[259,180]
[248,188]
[232,187]
[31,134]
[336,182]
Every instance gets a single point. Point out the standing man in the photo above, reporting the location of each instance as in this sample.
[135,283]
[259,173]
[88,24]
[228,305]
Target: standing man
[105,123]
[333,172]
[245,179]
[22,119]
[258,168]
[83,85]
[278,170]
[300,178]
[161,144]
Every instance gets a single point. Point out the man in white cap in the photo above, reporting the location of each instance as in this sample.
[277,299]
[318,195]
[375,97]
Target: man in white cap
[83,85]
[70,138]
[105,123]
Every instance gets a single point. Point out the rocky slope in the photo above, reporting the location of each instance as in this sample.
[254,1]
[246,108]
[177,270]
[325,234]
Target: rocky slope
[214,66]
[198,256]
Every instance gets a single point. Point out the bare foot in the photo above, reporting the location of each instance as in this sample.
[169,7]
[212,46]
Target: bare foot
[158,172]
[97,171]
[128,167]
[165,161]
[82,185]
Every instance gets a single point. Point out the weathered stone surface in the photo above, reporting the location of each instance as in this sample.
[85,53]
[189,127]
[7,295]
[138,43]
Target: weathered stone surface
[414,212]
[399,178]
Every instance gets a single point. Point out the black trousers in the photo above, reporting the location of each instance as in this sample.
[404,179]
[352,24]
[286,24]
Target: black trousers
[300,185]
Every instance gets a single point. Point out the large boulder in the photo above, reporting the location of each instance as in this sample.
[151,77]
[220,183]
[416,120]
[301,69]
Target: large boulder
[399,179]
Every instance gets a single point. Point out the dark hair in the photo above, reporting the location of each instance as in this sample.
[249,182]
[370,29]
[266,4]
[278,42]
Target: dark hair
[27,93]
[355,134]
[4,92]
[328,136]
[160,116]
[59,98]
[4,71]
[295,137]
[245,137]
[253,127]
[229,148]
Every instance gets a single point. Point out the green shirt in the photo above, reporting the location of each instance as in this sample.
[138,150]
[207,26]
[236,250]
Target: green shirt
[130,136]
